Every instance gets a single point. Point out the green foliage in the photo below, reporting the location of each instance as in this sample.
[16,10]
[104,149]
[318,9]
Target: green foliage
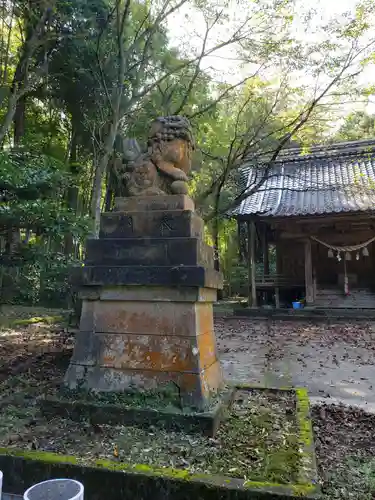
[29,176]
[32,191]
[70,78]
[41,277]
[357,126]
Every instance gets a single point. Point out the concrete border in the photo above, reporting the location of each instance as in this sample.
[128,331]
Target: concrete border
[117,480]
[308,475]
[206,422]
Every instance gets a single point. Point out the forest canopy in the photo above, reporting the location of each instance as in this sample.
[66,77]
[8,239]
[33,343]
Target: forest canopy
[254,78]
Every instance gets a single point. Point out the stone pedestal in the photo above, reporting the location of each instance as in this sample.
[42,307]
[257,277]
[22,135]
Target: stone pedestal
[148,288]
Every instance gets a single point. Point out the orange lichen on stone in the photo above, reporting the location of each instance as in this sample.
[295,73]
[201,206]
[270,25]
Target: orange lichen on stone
[160,353]
[204,315]
[148,352]
[206,349]
[108,360]
[153,341]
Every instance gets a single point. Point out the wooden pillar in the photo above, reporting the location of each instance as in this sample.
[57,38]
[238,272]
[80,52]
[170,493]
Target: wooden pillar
[277,297]
[279,259]
[266,264]
[248,263]
[239,240]
[309,285]
[252,293]
[279,269]
[314,283]
[252,263]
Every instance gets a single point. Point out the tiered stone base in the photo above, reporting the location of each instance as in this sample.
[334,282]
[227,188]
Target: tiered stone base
[147,319]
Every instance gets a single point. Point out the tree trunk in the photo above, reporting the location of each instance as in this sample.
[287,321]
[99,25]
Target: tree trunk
[9,281]
[215,234]
[109,189]
[216,238]
[19,121]
[72,193]
[100,170]
[14,233]
[215,231]
[8,119]
[97,193]
[33,30]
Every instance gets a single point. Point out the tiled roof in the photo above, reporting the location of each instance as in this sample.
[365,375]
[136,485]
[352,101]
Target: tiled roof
[338,178]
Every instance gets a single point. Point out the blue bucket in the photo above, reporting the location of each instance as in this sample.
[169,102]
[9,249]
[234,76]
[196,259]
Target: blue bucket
[297,305]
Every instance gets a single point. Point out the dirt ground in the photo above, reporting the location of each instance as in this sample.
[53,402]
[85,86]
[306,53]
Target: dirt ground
[336,363]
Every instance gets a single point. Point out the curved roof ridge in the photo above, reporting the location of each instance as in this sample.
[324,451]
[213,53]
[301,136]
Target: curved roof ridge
[355,148]
[314,184]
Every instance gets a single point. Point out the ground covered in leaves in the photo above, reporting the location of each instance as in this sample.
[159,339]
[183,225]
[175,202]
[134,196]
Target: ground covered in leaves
[345,447]
[34,356]
[259,439]
[334,360]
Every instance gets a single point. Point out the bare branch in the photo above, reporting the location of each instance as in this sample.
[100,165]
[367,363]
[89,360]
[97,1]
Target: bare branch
[223,95]
[197,67]
[299,122]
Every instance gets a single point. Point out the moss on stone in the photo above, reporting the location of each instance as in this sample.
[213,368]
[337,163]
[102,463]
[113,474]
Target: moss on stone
[297,490]
[260,484]
[43,456]
[303,490]
[279,459]
[167,397]
[307,471]
[145,469]
[303,416]
[48,320]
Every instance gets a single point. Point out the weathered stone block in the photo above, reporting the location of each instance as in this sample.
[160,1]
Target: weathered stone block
[147,203]
[207,350]
[173,224]
[156,294]
[145,352]
[194,388]
[206,422]
[88,292]
[204,318]
[149,252]
[159,339]
[152,275]
[211,379]
[152,318]
[149,321]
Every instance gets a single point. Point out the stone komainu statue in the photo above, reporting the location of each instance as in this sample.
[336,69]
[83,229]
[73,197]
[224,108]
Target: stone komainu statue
[163,168]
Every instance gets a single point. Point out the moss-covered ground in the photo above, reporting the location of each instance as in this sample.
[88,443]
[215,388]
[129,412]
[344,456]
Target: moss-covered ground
[166,398]
[259,440]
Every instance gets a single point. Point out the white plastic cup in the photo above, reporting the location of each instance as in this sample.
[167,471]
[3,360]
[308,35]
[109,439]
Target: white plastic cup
[55,489]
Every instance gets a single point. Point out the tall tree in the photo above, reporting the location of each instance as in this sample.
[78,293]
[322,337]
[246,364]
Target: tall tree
[357,125]
[282,116]
[130,41]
